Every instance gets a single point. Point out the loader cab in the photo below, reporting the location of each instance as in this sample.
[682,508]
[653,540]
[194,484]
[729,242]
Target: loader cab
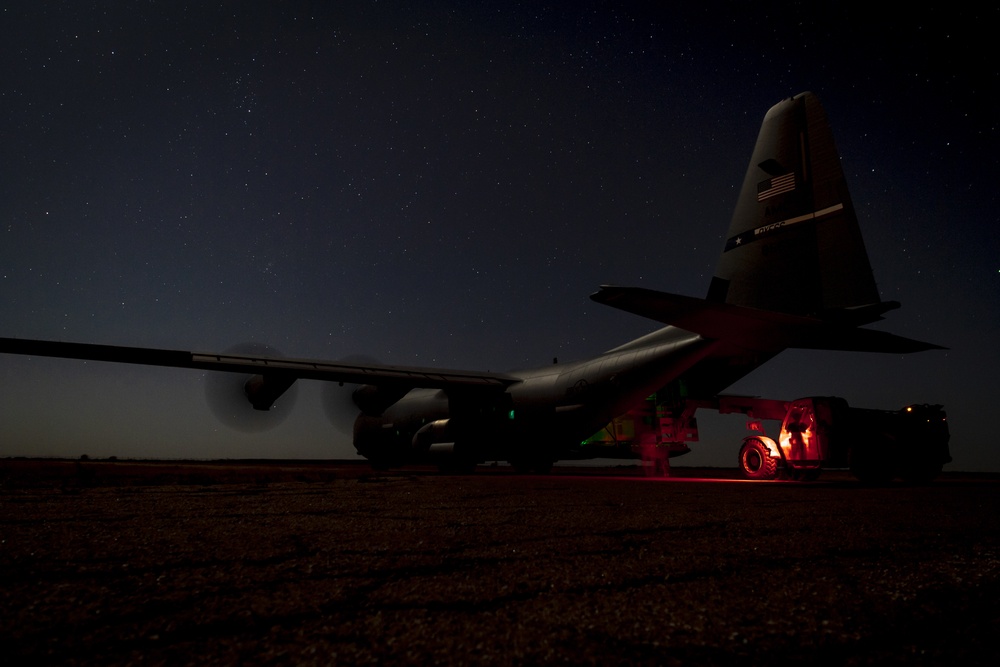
[806,432]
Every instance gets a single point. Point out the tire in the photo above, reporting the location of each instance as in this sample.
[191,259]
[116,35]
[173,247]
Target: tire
[529,466]
[872,476]
[543,467]
[869,465]
[457,467]
[920,473]
[756,461]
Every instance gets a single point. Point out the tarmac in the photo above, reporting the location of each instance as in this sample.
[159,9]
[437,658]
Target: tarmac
[121,563]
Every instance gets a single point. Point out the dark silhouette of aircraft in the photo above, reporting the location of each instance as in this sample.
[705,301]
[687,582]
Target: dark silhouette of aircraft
[794,273]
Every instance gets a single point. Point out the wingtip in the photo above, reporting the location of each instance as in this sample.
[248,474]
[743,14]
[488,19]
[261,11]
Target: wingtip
[602,292]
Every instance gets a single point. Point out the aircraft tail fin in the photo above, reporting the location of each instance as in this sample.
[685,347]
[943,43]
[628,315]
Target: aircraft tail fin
[794,271]
[794,245]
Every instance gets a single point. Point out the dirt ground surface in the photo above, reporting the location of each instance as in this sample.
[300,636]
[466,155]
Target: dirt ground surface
[120,563]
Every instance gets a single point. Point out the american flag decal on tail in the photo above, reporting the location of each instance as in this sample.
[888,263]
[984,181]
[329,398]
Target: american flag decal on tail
[775,186]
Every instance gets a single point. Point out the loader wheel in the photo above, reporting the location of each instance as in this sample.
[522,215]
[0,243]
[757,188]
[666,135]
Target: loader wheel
[756,461]
[921,472]
[869,464]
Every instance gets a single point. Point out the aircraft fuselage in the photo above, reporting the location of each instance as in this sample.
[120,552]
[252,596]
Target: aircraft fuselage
[536,418]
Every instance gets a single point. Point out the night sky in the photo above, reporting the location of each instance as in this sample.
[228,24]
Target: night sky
[445,183]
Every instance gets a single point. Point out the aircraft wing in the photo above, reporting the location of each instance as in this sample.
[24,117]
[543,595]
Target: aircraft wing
[752,327]
[352,373]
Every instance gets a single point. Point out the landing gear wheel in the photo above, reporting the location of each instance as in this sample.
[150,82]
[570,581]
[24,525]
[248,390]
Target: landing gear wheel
[543,467]
[528,466]
[457,466]
[756,461]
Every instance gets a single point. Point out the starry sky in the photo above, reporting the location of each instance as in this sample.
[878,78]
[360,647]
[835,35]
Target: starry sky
[445,183]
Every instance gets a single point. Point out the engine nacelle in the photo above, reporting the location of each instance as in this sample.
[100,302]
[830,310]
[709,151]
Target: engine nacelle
[263,390]
[431,434]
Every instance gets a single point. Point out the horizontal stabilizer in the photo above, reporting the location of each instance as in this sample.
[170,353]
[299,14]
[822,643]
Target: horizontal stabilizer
[753,328]
[865,340]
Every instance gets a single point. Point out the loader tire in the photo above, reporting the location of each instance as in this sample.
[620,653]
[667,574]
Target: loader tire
[920,472]
[870,464]
[756,461]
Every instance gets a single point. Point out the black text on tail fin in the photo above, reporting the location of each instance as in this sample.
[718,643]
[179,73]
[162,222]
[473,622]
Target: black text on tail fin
[794,245]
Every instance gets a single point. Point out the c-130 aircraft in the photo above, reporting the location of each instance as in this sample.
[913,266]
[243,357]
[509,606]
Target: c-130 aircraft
[794,273]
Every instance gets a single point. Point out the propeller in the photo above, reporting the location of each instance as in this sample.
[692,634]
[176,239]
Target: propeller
[227,398]
[338,398]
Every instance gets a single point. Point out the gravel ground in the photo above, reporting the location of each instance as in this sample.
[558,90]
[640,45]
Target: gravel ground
[500,569]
